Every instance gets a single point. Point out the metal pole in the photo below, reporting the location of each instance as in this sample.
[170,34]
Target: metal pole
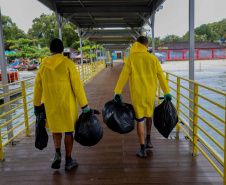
[60,27]
[60,33]
[96,51]
[191,56]
[91,58]
[152,29]
[5,79]
[80,38]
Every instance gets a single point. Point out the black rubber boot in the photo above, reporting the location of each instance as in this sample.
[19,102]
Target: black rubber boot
[142,152]
[70,163]
[56,161]
[148,142]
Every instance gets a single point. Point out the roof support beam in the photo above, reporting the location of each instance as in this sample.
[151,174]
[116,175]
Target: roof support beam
[73,9]
[145,20]
[88,37]
[132,35]
[136,31]
[72,15]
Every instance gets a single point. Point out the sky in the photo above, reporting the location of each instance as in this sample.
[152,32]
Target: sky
[172,19]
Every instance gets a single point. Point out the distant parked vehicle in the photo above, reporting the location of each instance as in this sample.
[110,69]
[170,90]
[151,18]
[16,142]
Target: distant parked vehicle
[160,57]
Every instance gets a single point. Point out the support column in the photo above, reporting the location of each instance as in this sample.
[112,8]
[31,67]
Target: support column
[5,79]
[80,38]
[91,58]
[59,21]
[96,51]
[152,29]
[191,55]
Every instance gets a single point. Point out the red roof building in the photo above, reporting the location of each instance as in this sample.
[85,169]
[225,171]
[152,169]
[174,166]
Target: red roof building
[203,50]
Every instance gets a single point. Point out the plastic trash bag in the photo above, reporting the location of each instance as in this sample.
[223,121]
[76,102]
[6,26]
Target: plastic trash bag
[41,136]
[119,116]
[88,129]
[165,117]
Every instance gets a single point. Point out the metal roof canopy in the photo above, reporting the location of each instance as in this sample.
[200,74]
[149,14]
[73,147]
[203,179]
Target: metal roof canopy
[121,36]
[105,13]
[87,15]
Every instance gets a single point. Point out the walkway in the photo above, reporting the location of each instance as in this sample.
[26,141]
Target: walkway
[113,160]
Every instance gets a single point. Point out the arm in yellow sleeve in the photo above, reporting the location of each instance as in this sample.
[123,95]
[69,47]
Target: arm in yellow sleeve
[126,72]
[162,79]
[77,85]
[38,90]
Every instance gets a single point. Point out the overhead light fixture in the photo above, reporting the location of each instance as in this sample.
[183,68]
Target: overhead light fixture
[108,19]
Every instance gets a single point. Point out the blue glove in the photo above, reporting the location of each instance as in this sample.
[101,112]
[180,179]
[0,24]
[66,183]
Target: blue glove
[117,97]
[168,96]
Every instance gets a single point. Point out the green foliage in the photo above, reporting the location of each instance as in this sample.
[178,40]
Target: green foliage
[27,50]
[45,28]
[171,38]
[208,31]
[219,28]
[197,37]
[10,30]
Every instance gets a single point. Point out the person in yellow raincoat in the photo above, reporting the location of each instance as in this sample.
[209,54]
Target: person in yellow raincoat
[143,69]
[59,86]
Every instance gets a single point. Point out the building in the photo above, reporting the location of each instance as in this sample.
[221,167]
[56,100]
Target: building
[70,53]
[203,50]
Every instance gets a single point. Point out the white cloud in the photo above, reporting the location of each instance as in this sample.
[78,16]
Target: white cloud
[22,12]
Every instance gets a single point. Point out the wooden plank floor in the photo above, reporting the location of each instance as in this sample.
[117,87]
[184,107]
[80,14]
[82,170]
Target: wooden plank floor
[113,159]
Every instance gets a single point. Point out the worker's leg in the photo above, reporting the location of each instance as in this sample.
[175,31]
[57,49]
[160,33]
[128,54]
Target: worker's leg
[68,142]
[57,142]
[140,132]
[148,136]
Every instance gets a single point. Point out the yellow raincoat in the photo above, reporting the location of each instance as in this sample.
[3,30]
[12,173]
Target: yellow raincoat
[142,68]
[58,84]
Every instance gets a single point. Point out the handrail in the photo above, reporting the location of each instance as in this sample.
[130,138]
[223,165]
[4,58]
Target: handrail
[203,119]
[86,71]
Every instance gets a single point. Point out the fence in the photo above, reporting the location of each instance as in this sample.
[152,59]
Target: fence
[204,123]
[20,117]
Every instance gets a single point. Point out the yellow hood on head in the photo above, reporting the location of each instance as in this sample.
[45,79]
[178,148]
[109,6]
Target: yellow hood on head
[53,61]
[138,48]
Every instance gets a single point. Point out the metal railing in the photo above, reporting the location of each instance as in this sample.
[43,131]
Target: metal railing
[88,71]
[204,123]
[22,112]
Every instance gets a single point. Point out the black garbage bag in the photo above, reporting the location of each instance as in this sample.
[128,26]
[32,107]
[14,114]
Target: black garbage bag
[41,136]
[119,116]
[88,129]
[165,117]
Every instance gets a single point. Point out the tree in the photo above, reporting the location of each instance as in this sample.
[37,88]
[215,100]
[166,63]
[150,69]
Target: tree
[10,30]
[45,28]
[26,49]
[158,41]
[207,30]
[171,38]
[197,37]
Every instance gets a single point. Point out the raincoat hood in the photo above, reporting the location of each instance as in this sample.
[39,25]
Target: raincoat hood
[53,61]
[138,48]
